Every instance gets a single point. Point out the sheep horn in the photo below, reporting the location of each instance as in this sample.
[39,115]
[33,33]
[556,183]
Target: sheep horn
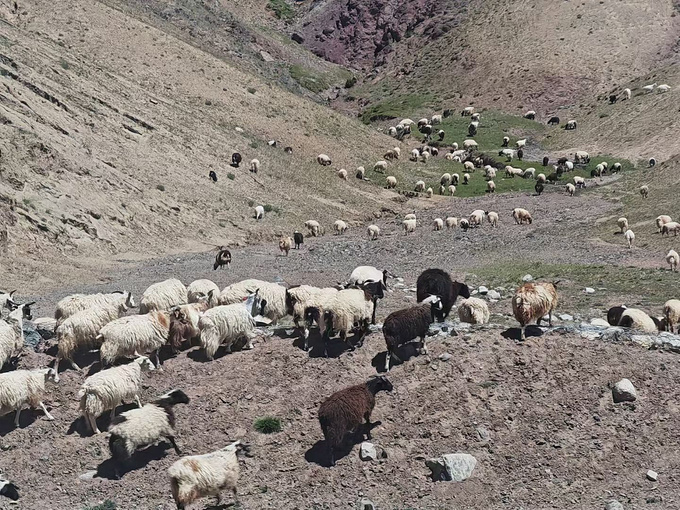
[29,304]
[12,293]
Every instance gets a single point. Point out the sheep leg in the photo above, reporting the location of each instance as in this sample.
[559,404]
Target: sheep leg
[93,423]
[74,365]
[174,445]
[521,334]
[139,403]
[423,348]
[375,306]
[157,359]
[387,361]
[16,417]
[47,413]
[550,318]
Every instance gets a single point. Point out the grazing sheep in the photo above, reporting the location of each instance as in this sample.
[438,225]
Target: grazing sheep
[652,162]
[420,186]
[466,178]
[373,232]
[520,154]
[323,160]
[255,166]
[554,121]
[436,282]
[476,117]
[198,476]
[415,155]
[579,182]
[134,334]
[539,187]
[616,167]
[342,174]
[410,216]
[345,412]
[371,279]
[570,189]
[467,111]
[144,426]
[454,179]
[469,166]
[347,310]
[436,119]
[464,224]
[476,218]
[438,224]
[409,226]
[391,182]
[623,224]
[77,302]
[521,215]
[541,178]
[626,94]
[490,187]
[339,227]
[451,222]
[445,179]
[521,143]
[630,237]
[12,332]
[392,131]
[469,145]
[212,175]
[223,258]
[663,88]
[236,159]
[110,388]
[390,155]
[408,324]
[441,134]
[671,308]
[423,122]
[508,153]
[307,304]
[8,489]
[298,238]
[529,173]
[285,244]
[671,226]
[288,150]
[644,191]
[612,98]
[361,173]
[673,259]
[531,115]
[380,166]
[429,192]
[314,228]
[635,318]
[442,190]
[424,156]
[163,296]
[580,157]
[506,142]
[492,218]
[596,172]
[533,301]
[24,388]
[661,220]
[473,311]
[199,289]
[275,305]
[259,212]
[571,124]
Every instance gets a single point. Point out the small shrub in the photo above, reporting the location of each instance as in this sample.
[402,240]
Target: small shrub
[253,144]
[223,223]
[603,115]
[160,187]
[350,82]
[64,64]
[252,90]
[268,425]
[271,208]
[231,176]
[251,203]
[280,8]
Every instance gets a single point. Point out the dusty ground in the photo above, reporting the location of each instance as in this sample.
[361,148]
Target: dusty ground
[556,439]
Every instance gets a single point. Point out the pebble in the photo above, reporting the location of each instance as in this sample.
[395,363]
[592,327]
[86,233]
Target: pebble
[589,290]
[492,294]
[445,356]
[483,434]
[88,475]
[652,475]
[624,391]
[613,505]
[368,451]
[527,278]
[238,130]
[482,289]
[566,317]
[599,322]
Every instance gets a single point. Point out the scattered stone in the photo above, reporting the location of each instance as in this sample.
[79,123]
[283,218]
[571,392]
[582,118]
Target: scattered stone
[238,130]
[589,290]
[652,475]
[474,292]
[266,56]
[31,336]
[366,504]
[483,434]
[297,38]
[399,279]
[599,322]
[566,317]
[613,505]
[482,290]
[88,475]
[445,356]
[624,391]
[452,467]
[493,294]
[368,451]
[527,278]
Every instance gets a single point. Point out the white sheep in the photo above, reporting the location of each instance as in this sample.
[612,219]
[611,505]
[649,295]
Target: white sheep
[380,166]
[473,311]
[663,88]
[452,189]
[163,296]
[442,190]
[198,476]
[581,157]
[392,131]
[579,182]
[259,212]
[341,312]
[391,182]
[467,111]
[415,155]
[361,172]
[449,156]
[454,179]
[110,388]
[342,174]
[451,222]
[649,88]
[445,179]
[436,119]
[570,189]
[476,116]
[521,215]
[466,178]
[134,334]
[226,324]
[630,237]
[490,187]
[410,216]
[22,388]
[420,186]
[492,218]
[274,295]
[635,318]
[307,303]
[469,145]
[661,220]
[673,259]
[571,124]
[203,288]
[409,226]
[397,151]
[323,160]
[424,156]
[627,94]
[77,302]
[314,228]
[616,167]
[12,332]
[521,143]
[438,224]
[508,153]
[476,217]
[255,165]
[339,227]
[671,309]
[531,115]
[469,166]
[541,178]
[373,232]
[464,223]
[429,192]
[623,224]
[671,226]
[407,122]
[644,191]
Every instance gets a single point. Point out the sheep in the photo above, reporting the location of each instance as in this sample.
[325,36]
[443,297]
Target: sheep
[404,325]
[613,98]
[644,191]
[236,159]
[420,186]
[423,122]
[616,167]
[451,222]
[438,224]
[454,146]
[409,226]
[7,302]
[442,190]
[472,128]
[490,187]
[397,151]
[436,282]
[24,387]
[539,187]
[531,115]
[596,172]
[307,304]
[630,237]
[614,315]
[390,155]
[345,411]
[571,124]
[391,182]
[436,119]
[454,179]
[570,189]
[298,238]
[163,296]
[476,218]
[529,173]
[652,162]
[469,166]
[469,145]
[80,331]
[541,178]
[546,160]
[12,332]
[198,476]
[314,228]
[671,308]
[361,173]
[671,226]
[342,174]
[441,134]
[288,150]
[533,301]
[520,154]
[623,224]
[464,224]
[554,121]
[492,218]
[521,143]
[663,88]
[506,142]
[512,172]
[410,216]
[275,303]
[508,153]
[415,155]
[521,215]
[380,166]
[467,111]
[579,182]
[635,318]
[473,311]
[8,489]
[259,212]
[445,179]
[476,117]
[144,426]
[254,166]
[344,310]
[661,220]
[466,178]
[110,388]
[323,160]
[581,157]
[599,169]
[223,258]
[424,156]
[373,232]
[605,166]
[429,192]
[133,334]
[490,174]
[77,302]
[673,259]
[339,227]
[199,289]
[407,122]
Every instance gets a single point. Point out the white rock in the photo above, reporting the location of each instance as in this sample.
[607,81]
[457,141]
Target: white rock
[566,317]
[452,467]
[368,451]
[482,289]
[88,475]
[366,504]
[624,391]
[445,356]
[474,292]
[589,290]
[238,130]
[400,280]
[527,278]
[652,475]
[492,294]
[599,322]
[613,505]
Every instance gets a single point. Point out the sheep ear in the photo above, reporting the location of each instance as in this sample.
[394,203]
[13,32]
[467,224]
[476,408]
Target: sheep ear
[29,304]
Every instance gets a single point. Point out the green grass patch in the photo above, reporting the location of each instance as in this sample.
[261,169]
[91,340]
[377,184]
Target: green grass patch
[309,79]
[231,176]
[64,64]
[272,208]
[251,90]
[395,107]
[281,9]
[268,425]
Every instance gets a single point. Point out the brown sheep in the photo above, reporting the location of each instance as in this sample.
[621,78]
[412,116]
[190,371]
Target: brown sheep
[346,411]
[285,244]
[533,301]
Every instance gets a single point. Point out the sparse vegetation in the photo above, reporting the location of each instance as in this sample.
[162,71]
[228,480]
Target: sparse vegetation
[231,176]
[254,145]
[272,208]
[308,79]
[395,107]
[252,90]
[268,425]
[64,64]
[251,203]
[160,187]
[281,9]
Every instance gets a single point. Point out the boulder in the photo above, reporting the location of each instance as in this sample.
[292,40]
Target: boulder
[624,391]
[454,467]
[368,451]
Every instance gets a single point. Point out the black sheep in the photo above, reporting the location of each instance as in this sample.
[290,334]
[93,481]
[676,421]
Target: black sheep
[472,130]
[405,325]
[553,177]
[520,154]
[288,150]
[345,411]
[562,161]
[299,239]
[546,160]
[554,121]
[612,98]
[212,175]
[223,258]
[652,162]
[539,188]
[614,315]
[9,490]
[236,159]
[436,282]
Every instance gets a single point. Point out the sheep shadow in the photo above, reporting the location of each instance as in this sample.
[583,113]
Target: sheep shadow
[319,453]
[516,333]
[335,347]
[82,427]
[27,418]
[404,352]
[199,355]
[107,469]
[85,360]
